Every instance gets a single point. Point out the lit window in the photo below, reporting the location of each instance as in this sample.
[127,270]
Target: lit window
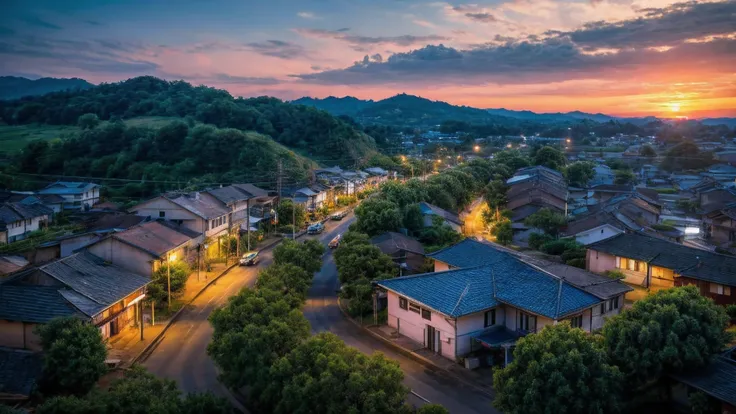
[720,289]
[403,303]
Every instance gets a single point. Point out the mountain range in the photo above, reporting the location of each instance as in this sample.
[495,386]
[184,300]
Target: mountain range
[415,110]
[14,87]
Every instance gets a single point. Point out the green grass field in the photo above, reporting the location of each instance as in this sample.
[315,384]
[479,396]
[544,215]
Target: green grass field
[14,137]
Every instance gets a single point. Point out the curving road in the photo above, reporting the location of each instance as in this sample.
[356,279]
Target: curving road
[182,353]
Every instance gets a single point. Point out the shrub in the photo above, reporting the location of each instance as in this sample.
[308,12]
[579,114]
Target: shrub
[614,274]
[731,311]
[536,240]
[573,252]
[577,262]
[557,247]
[663,227]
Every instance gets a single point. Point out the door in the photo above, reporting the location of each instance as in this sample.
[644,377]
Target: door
[432,338]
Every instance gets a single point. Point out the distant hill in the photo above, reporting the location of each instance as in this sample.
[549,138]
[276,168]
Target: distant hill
[13,87]
[568,116]
[403,109]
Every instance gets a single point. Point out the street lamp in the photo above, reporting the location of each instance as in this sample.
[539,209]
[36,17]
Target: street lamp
[476,148]
[568,140]
[508,145]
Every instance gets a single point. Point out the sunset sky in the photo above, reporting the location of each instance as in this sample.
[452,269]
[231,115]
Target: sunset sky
[622,57]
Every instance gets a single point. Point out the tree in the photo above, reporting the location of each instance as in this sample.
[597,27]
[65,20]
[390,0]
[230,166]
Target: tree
[667,332]
[432,409]
[511,159]
[503,232]
[624,177]
[558,370]
[495,194]
[647,151]
[550,158]
[413,219]
[686,156]
[158,289]
[323,375]
[74,356]
[287,278]
[359,259]
[252,331]
[580,173]
[439,235]
[547,220]
[306,255]
[88,121]
[289,212]
[377,215]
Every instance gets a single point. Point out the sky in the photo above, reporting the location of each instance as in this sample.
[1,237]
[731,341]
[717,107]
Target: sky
[620,57]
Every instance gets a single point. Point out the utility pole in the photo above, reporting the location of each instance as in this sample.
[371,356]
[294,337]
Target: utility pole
[168,276]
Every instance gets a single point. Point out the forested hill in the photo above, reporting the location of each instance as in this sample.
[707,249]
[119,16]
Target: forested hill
[308,130]
[13,87]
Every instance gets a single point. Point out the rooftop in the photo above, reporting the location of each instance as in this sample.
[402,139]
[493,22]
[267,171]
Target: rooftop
[199,206]
[19,371]
[68,187]
[237,192]
[33,304]
[12,212]
[717,379]
[154,237]
[391,242]
[687,261]
[432,209]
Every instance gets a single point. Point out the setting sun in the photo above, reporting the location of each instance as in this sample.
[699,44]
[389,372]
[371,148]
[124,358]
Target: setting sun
[675,107]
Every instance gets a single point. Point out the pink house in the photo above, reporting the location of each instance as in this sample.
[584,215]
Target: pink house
[490,303]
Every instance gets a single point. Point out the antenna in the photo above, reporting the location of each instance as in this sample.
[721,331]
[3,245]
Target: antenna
[465,292]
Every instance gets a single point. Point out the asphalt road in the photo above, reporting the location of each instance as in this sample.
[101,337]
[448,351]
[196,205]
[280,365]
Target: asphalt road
[182,353]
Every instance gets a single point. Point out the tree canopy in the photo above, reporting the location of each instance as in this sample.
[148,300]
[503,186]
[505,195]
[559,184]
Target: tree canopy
[306,255]
[580,173]
[547,220]
[559,370]
[377,215]
[73,358]
[670,331]
[550,157]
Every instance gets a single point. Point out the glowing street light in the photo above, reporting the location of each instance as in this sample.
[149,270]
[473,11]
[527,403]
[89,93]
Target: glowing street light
[476,148]
[403,158]
[568,140]
[508,145]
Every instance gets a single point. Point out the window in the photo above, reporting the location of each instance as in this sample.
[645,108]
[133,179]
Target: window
[720,289]
[162,214]
[426,315]
[489,318]
[414,307]
[576,321]
[613,304]
[403,303]
[603,307]
[527,322]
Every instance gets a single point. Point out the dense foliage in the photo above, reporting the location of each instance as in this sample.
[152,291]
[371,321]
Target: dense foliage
[74,356]
[559,370]
[580,173]
[686,156]
[150,160]
[306,255]
[308,129]
[158,290]
[137,392]
[550,157]
[670,331]
[547,220]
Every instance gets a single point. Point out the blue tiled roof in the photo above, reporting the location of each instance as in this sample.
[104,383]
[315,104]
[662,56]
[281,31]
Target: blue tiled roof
[468,253]
[453,293]
[495,277]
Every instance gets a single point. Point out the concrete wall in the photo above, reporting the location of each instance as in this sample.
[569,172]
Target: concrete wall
[68,246]
[19,335]
[19,230]
[599,262]
[597,234]
[124,255]
[172,211]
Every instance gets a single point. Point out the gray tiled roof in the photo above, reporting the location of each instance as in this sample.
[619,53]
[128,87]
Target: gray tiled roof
[687,261]
[468,253]
[12,212]
[440,212]
[252,190]
[19,371]
[717,379]
[94,279]
[230,194]
[153,237]
[199,206]
[391,242]
[32,304]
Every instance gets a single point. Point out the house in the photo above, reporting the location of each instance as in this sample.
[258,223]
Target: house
[481,297]
[248,204]
[19,372]
[75,195]
[312,198]
[407,252]
[717,380]
[97,229]
[81,285]
[142,249]
[650,264]
[604,192]
[649,172]
[52,201]
[728,156]
[17,220]
[720,226]
[533,188]
[10,264]
[192,211]
[603,175]
[723,173]
[376,175]
[429,211]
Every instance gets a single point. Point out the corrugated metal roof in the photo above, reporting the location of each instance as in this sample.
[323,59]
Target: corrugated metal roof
[67,187]
[19,371]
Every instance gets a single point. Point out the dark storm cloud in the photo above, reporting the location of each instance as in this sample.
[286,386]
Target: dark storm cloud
[278,48]
[35,21]
[659,26]
[362,43]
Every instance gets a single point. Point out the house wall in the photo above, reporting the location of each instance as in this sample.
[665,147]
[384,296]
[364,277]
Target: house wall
[440,266]
[469,325]
[705,290]
[597,234]
[82,200]
[19,335]
[172,212]
[18,230]
[413,326]
[599,262]
[123,255]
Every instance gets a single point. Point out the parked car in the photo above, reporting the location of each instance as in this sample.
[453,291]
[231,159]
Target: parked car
[339,215]
[249,259]
[335,243]
[316,228]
